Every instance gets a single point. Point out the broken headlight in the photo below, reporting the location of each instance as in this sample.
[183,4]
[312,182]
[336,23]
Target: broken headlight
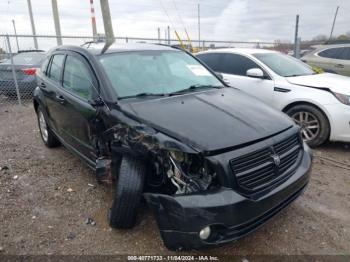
[190,173]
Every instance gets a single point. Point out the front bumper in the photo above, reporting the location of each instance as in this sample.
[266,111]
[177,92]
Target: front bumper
[230,215]
[339,116]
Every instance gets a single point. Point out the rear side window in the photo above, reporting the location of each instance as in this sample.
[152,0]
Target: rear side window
[212,60]
[44,65]
[237,64]
[56,67]
[77,78]
[345,54]
[333,53]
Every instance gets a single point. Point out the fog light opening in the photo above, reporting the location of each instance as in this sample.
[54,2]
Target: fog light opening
[204,234]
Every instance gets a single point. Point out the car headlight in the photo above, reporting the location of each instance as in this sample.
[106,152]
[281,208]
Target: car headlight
[190,172]
[345,99]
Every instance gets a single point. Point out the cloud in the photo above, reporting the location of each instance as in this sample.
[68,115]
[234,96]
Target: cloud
[240,20]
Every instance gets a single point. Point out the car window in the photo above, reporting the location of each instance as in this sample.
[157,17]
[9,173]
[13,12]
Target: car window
[333,53]
[345,54]
[56,67]
[212,60]
[44,65]
[77,78]
[237,64]
[284,65]
[30,58]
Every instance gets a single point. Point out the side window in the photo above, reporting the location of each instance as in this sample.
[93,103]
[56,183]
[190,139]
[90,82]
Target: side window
[238,64]
[333,53]
[44,65]
[345,54]
[212,60]
[56,67]
[77,78]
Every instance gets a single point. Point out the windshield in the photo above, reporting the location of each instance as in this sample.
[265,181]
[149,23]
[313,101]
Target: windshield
[284,65]
[155,72]
[29,58]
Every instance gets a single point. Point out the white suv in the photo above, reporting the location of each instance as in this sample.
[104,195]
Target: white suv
[319,103]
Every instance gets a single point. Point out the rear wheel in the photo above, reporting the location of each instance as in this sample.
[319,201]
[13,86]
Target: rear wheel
[315,128]
[47,136]
[129,187]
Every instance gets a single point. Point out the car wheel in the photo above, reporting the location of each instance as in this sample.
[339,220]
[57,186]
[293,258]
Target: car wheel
[315,128]
[128,193]
[46,134]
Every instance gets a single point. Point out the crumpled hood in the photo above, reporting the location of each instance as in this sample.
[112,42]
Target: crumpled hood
[334,82]
[210,120]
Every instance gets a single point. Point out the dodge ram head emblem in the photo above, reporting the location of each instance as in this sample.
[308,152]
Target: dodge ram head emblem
[276,160]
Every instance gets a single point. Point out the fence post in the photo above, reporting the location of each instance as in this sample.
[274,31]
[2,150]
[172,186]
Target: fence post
[13,69]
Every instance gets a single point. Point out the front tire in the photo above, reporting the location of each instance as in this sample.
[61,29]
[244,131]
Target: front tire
[129,187]
[315,128]
[46,134]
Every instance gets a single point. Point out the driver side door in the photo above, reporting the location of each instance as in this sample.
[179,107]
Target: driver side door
[234,70]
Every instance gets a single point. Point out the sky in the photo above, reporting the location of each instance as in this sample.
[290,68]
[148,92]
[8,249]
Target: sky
[235,20]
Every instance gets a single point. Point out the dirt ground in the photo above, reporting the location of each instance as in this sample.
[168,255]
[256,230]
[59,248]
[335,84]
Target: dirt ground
[47,195]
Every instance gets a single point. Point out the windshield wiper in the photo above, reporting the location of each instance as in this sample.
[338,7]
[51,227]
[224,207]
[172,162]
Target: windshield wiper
[142,95]
[193,87]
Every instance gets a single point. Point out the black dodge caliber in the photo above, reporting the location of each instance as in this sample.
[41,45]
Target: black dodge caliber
[213,163]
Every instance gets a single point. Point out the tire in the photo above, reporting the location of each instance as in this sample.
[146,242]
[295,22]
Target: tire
[49,139]
[129,187]
[314,117]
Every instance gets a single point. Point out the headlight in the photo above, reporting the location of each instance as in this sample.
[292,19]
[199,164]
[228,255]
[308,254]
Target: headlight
[177,155]
[345,99]
[190,173]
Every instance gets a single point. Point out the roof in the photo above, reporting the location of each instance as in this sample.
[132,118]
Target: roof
[330,46]
[96,48]
[248,51]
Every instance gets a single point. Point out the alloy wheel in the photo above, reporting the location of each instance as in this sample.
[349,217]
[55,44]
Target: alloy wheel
[43,127]
[310,125]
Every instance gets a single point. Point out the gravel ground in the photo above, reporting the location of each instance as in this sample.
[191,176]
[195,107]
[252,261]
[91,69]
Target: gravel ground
[47,195]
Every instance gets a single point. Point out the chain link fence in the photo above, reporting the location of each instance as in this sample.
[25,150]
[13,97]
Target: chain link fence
[20,58]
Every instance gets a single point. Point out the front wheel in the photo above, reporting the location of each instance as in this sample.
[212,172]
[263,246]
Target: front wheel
[315,128]
[129,187]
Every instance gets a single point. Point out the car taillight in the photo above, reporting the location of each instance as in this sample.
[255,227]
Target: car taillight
[29,71]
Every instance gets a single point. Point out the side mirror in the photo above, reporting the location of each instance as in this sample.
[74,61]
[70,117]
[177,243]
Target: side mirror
[255,72]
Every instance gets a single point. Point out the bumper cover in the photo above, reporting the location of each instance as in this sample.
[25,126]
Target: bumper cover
[230,215]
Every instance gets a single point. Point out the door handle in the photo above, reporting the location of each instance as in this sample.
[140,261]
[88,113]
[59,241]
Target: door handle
[339,66]
[60,99]
[42,85]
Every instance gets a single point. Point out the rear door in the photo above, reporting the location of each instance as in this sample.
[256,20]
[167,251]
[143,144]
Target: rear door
[328,60]
[343,62]
[49,82]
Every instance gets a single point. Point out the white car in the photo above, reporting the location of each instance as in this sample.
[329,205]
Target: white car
[319,103]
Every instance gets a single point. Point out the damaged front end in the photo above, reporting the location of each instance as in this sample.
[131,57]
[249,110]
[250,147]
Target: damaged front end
[193,194]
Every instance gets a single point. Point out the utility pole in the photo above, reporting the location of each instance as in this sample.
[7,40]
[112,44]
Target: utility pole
[165,36]
[56,19]
[93,19]
[107,23]
[169,35]
[32,23]
[335,18]
[296,37]
[158,35]
[14,29]
[199,27]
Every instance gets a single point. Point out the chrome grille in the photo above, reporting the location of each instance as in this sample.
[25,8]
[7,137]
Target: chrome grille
[260,170]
